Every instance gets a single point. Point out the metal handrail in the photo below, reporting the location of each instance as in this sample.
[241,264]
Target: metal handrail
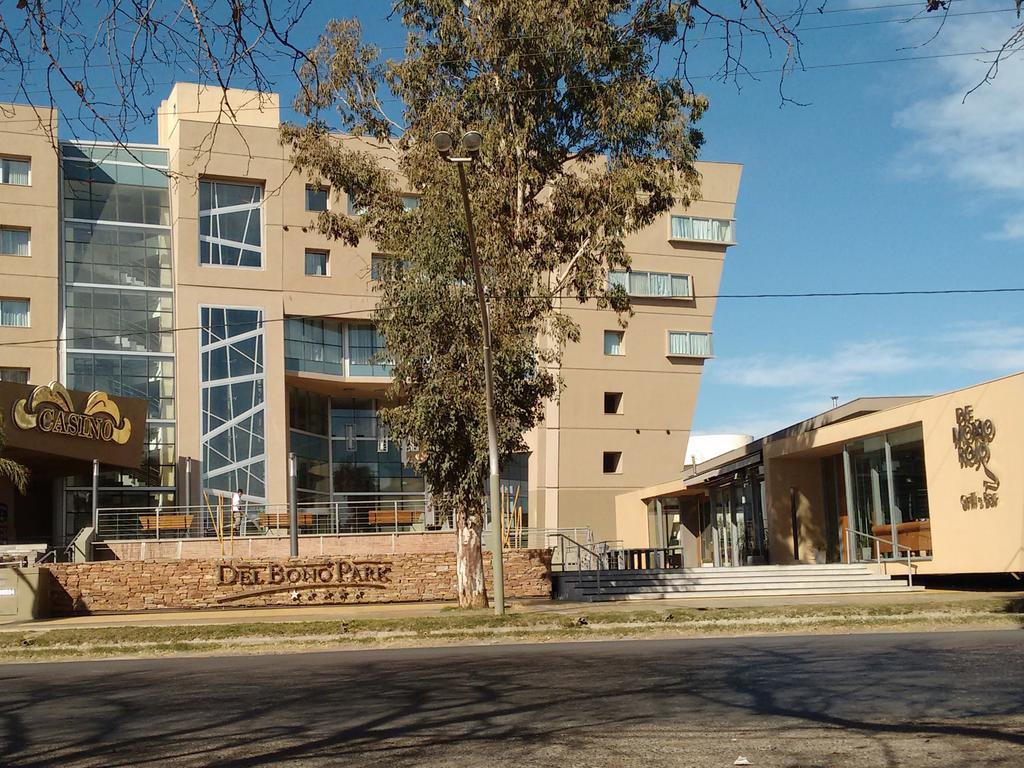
[579,569]
[878,554]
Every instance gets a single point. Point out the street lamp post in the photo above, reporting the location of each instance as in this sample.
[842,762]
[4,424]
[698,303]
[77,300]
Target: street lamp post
[471,143]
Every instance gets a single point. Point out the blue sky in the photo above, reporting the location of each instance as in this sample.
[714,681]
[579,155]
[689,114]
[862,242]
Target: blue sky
[885,180]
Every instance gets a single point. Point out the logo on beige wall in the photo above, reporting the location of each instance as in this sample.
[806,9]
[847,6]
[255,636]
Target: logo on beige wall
[50,409]
[972,438]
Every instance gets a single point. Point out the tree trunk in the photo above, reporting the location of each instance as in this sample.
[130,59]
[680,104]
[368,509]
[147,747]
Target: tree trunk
[469,559]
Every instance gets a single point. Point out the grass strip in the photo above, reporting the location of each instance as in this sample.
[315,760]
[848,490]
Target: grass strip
[33,643]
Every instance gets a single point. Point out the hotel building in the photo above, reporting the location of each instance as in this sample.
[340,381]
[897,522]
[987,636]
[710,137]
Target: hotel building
[188,273]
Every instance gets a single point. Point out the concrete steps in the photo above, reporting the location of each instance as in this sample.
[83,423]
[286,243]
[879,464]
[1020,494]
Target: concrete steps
[750,581]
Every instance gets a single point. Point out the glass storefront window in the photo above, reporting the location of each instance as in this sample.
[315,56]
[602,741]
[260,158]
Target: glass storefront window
[910,488]
[870,485]
[889,491]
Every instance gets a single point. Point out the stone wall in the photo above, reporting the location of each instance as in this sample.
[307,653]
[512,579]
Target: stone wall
[278,546]
[112,586]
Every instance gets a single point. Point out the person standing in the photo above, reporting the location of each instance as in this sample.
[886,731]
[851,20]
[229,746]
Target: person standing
[237,518]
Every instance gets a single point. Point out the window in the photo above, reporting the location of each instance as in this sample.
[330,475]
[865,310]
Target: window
[14,312]
[15,171]
[14,241]
[658,284]
[316,263]
[316,198]
[314,345]
[689,344]
[613,402]
[613,343]
[230,224]
[117,320]
[612,462]
[367,356]
[709,230]
[14,375]
[232,386]
[353,210]
[379,264]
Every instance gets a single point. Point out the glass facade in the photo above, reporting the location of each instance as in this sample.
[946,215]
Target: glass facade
[343,454]
[322,345]
[888,490]
[233,418]
[230,224]
[118,307]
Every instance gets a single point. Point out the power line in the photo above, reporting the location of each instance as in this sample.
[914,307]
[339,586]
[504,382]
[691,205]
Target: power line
[920,4]
[349,313]
[598,85]
[740,33]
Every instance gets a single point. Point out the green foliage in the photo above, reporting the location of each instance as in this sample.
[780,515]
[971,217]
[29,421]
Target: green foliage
[583,144]
[12,470]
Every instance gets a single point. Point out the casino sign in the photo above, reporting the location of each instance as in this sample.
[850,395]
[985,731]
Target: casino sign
[50,423]
[50,409]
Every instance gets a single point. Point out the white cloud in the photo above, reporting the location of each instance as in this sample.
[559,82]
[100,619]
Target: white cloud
[851,363]
[988,347]
[797,387]
[974,141]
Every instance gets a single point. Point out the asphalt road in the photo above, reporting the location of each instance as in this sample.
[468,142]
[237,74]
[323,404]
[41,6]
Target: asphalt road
[920,700]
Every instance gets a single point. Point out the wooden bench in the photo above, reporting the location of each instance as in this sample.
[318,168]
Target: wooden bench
[172,521]
[391,517]
[271,520]
[916,535]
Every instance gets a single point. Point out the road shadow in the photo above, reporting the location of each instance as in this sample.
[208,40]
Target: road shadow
[408,707]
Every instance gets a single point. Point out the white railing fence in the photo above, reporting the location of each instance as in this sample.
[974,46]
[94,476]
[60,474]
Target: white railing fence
[376,513]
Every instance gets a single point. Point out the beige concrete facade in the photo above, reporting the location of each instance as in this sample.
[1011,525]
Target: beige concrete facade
[29,134]
[659,392]
[240,143]
[975,509]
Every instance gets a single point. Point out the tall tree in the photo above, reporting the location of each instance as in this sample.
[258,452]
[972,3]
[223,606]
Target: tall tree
[584,143]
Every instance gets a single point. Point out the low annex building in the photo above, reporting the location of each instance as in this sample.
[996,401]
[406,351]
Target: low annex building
[941,477]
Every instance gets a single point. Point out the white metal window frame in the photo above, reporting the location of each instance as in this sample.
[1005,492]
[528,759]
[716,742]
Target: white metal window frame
[5,160]
[731,223]
[28,241]
[629,276]
[246,464]
[215,211]
[689,353]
